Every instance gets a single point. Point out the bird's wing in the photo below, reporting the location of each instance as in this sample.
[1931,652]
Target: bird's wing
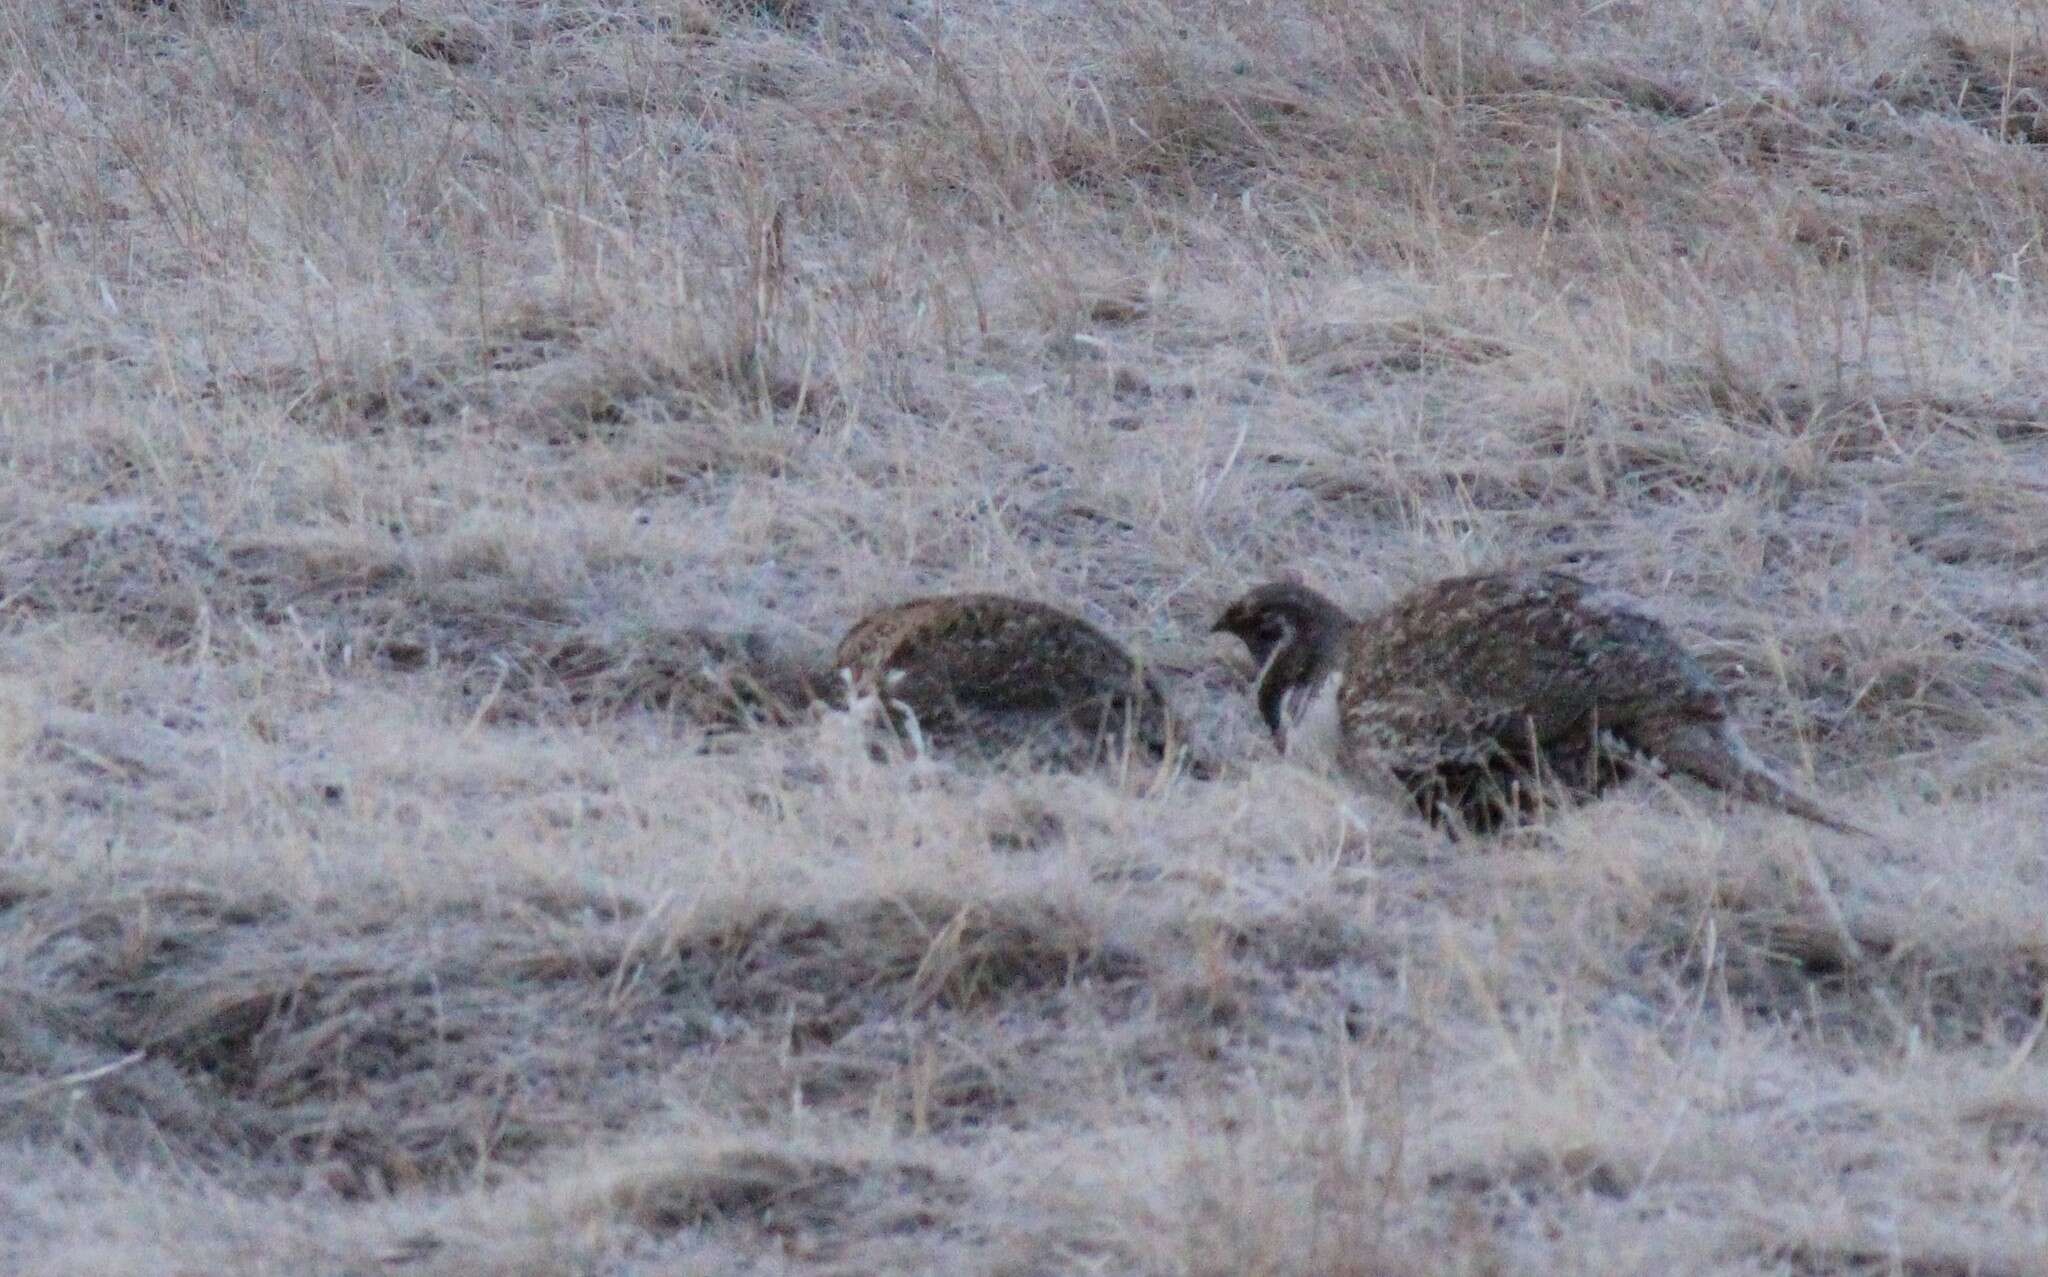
[1001,654]
[1480,664]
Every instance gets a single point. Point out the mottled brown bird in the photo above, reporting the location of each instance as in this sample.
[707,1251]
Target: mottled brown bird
[1486,695]
[993,675]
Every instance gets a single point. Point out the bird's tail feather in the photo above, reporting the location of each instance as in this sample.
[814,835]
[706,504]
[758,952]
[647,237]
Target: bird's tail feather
[1717,755]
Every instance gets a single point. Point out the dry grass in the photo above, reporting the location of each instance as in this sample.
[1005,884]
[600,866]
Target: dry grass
[438,440]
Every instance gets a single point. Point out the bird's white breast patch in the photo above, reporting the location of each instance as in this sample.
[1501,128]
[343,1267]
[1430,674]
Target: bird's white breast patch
[1311,717]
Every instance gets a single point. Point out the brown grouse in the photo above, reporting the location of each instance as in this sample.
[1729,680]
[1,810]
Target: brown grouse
[993,675]
[1485,695]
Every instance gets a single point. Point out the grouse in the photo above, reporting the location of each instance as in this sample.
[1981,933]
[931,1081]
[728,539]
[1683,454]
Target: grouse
[992,675]
[1487,695]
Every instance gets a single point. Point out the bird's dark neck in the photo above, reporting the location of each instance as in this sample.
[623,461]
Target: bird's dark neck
[1301,662]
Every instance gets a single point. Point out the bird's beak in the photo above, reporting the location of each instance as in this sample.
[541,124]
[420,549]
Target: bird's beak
[1222,625]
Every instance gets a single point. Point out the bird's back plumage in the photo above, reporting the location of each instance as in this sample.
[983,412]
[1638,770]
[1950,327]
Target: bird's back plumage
[1487,695]
[992,674]
[1481,691]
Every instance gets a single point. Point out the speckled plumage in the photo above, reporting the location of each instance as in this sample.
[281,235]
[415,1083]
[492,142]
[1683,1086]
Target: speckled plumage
[992,674]
[1485,694]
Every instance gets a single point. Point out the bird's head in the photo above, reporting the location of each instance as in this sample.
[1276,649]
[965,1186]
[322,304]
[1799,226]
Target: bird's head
[1275,616]
[1297,637]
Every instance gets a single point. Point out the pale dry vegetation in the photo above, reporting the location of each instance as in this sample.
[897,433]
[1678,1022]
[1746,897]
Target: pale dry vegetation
[438,438]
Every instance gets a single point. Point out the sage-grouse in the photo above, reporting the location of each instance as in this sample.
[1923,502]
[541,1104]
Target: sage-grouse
[1485,695]
[992,675]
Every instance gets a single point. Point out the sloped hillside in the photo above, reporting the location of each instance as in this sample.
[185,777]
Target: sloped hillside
[440,439]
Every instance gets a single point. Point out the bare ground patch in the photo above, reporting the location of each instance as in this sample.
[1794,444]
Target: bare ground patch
[511,642]
[399,1052]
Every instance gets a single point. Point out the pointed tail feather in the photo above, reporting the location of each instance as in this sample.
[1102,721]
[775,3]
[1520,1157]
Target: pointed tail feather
[1717,755]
